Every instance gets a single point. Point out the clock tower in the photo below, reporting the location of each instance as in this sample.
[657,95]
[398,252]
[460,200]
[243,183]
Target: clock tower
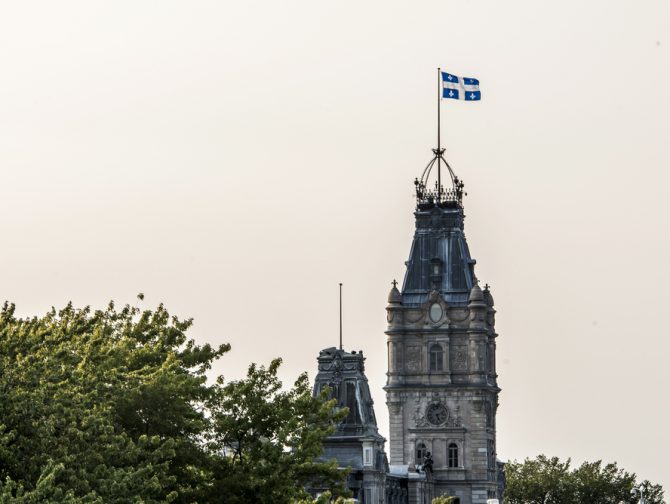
[441,390]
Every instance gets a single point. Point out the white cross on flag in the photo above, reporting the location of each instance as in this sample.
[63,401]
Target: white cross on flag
[460,88]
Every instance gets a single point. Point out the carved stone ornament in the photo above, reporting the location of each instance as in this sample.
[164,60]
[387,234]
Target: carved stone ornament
[477,315]
[455,420]
[481,356]
[460,358]
[413,358]
[459,315]
[418,416]
[394,408]
[414,316]
[336,368]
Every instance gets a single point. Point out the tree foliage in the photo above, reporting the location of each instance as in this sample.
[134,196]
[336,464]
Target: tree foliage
[325,498]
[272,438]
[114,406]
[546,480]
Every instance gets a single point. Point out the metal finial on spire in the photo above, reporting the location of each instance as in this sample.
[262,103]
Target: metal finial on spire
[439,196]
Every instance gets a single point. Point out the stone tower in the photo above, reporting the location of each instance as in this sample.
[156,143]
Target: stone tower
[441,389]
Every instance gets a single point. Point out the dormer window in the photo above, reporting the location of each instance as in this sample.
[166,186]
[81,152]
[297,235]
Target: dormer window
[367,456]
[436,272]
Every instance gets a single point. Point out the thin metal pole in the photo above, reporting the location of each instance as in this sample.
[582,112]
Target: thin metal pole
[439,164]
[340,315]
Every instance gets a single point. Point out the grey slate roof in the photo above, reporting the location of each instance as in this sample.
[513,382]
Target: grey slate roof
[344,373]
[439,258]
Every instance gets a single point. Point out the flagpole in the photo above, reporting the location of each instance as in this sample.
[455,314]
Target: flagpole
[439,167]
[340,315]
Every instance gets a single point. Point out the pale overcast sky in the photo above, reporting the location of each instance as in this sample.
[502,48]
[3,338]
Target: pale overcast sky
[236,160]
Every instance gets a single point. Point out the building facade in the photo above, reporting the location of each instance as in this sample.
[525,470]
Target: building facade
[441,390]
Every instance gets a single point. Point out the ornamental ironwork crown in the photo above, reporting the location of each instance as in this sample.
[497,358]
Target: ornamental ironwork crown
[437,195]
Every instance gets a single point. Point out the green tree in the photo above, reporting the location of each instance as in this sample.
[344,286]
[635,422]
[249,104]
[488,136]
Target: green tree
[324,498]
[546,480]
[76,406]
[537,481]
[113,406]
[443,499]
[270,438]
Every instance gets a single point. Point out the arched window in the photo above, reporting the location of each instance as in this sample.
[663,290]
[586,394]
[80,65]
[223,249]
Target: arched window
[421,451]
[452,455]
[436,358]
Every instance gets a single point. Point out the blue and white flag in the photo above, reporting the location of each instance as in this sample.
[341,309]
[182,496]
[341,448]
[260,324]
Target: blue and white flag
[460,88]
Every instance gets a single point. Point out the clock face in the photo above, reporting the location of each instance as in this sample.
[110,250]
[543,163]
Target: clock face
[436,413]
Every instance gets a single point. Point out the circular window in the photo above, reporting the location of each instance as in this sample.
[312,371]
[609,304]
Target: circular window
[435,312]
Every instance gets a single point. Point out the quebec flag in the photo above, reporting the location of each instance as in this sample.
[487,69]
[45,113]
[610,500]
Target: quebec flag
[460,88]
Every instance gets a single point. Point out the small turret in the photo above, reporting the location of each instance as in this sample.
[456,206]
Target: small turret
[488,296]
[476,295]
[394,295]
[478,308]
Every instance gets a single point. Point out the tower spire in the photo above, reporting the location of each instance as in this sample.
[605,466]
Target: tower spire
[425,195]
